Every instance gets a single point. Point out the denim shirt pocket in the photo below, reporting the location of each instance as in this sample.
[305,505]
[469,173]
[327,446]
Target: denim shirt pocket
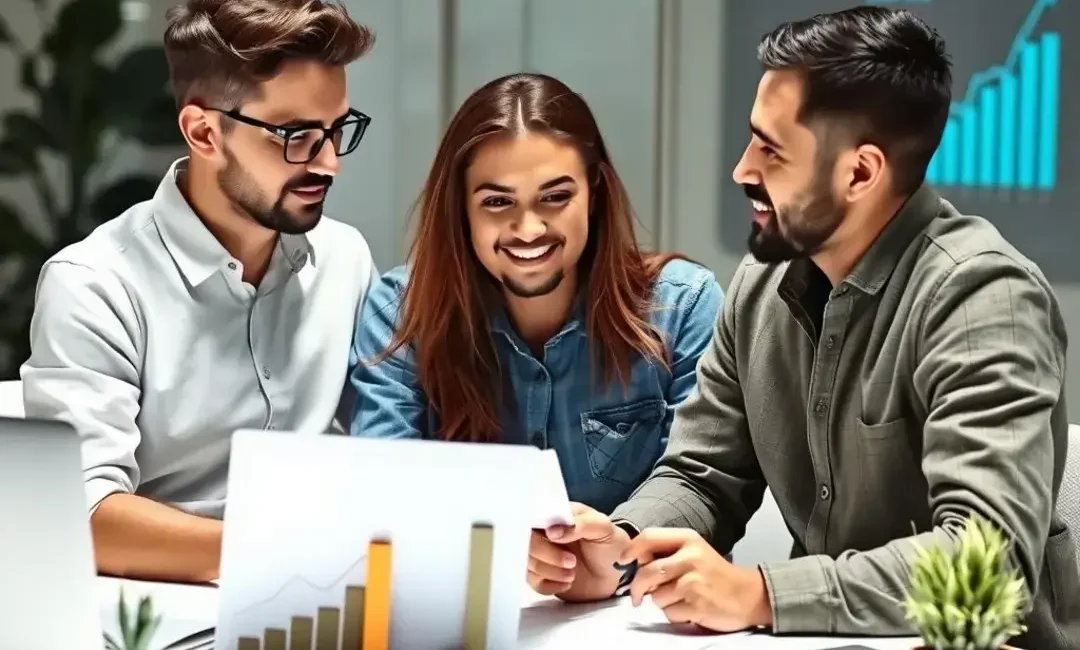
[623,442]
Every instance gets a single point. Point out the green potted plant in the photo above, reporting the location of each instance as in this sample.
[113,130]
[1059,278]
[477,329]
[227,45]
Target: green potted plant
[965,598]
[137,626]
[81,104]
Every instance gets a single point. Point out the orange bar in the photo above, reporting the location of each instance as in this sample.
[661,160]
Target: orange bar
[377,596]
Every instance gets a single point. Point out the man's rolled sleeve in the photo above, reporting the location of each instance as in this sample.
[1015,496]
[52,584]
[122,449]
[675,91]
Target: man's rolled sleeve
[83,369]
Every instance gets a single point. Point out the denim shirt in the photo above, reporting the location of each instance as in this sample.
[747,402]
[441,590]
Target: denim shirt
[607,437]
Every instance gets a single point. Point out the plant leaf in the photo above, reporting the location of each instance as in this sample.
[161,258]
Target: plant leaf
[5,32]
[28,73]
[125,626]
[114,199]
[14,162]
[27,131]
[157,126]
[82,28]
[17,239]
[148,67]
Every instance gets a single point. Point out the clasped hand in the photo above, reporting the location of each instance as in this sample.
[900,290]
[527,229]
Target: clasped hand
[679,571]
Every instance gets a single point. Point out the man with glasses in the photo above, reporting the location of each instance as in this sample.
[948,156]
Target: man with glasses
[226,301]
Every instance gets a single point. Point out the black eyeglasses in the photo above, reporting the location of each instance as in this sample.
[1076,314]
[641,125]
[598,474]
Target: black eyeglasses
[304,141]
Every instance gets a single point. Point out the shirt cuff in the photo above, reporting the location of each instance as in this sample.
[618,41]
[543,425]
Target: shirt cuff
[629,527]
[800,595]
[99,488]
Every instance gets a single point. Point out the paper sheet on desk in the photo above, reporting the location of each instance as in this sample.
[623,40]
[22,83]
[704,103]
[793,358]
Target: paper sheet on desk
[188,612]
[553,503]
[549,623]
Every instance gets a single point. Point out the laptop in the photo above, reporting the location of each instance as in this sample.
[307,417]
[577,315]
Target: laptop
[48,598]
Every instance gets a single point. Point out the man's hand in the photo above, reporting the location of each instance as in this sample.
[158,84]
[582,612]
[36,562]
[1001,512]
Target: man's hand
[692,583]
[576,563]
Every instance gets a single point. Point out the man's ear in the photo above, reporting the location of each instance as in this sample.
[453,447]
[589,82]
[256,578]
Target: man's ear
[867,171]
[201,131]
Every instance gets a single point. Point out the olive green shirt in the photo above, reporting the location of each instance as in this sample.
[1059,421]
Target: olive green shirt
[927,386]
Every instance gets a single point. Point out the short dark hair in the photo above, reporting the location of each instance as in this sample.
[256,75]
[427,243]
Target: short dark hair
[882,75]
[220,50]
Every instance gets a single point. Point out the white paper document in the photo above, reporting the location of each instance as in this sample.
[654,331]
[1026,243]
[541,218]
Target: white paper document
[553,503]
[341,538]
[550,623]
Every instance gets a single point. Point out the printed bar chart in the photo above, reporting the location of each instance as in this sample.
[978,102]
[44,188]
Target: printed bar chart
[377,602]
[352,632]
[300,633]
[478,598]
[275,639]
[363,622]
[326,628]
[1004,133]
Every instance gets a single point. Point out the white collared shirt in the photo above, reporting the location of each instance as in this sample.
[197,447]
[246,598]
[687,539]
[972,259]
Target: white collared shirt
[146,339]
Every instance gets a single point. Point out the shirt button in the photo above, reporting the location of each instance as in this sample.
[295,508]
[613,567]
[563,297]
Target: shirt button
[825,492]
[842,290]
[232,265]
[830,342]
[266,372]
[821,406]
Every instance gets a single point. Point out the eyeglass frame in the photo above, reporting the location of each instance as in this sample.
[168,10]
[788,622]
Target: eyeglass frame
[287,132]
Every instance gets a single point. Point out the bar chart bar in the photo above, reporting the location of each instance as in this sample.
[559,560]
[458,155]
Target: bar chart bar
[933,170]
[1007,151]
[247,643]
[377,601]
[989,128]
[969,123]
[1049,82]
[478,590]
[300,633]
[950,153]
[352,630]
[274,639]
[1029,114]
[326,628]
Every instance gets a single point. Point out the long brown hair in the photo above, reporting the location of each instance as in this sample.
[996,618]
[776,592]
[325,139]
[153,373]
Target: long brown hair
[442,314]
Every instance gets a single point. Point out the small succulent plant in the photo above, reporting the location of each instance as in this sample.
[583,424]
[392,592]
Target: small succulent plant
[965,598]
[137,626]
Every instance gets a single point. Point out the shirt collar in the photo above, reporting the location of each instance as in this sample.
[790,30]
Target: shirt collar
[878,263]
[500,322]
[196,251]
[873,270]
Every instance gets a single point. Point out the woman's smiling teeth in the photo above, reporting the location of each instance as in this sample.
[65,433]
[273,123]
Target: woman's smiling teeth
[528,253]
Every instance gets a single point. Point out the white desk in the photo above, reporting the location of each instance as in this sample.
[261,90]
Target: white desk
[545,623]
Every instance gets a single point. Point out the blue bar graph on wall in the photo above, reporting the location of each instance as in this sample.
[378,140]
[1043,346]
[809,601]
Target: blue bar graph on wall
[950,152]
[988,132]
[1007,152]
[1048,129]
[1004,132]
[1029,103]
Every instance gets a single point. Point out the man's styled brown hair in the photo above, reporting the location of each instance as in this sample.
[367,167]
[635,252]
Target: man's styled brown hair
[219,51]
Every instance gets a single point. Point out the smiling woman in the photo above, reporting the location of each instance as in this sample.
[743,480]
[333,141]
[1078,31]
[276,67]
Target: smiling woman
[527,312]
